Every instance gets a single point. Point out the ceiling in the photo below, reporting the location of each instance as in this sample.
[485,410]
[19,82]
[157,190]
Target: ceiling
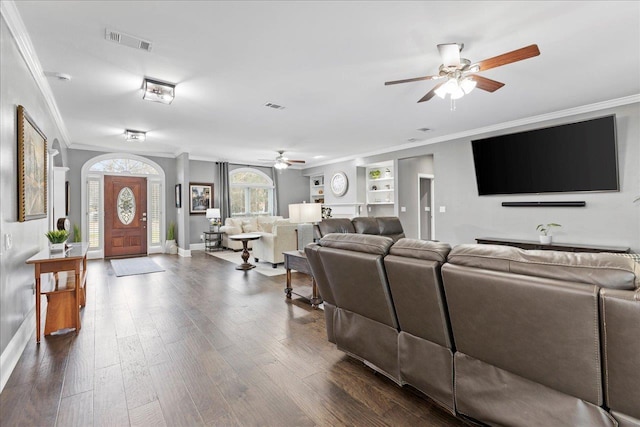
[326,63]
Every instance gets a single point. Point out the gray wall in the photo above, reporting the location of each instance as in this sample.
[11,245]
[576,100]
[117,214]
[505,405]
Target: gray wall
[293,187]
[407,188]
[608,219]
[17,87]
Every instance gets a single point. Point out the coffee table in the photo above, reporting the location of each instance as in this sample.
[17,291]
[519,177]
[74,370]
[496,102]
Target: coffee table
[245,238]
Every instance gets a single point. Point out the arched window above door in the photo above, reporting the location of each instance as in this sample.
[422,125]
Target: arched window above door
[126,166]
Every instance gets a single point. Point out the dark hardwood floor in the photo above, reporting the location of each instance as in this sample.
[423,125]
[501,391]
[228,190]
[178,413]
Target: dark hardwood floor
[200,344]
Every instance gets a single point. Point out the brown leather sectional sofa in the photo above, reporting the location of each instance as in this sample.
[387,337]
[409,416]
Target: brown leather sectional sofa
[493,333]
[389,226]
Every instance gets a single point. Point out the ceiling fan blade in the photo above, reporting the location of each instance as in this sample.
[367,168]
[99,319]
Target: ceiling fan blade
[296,161]
[486,84]
[415,79]
[450,54]
[431,93]
[509,57]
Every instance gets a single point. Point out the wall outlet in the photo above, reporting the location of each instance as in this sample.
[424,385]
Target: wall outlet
[202,237]
[443,209]
[403,208]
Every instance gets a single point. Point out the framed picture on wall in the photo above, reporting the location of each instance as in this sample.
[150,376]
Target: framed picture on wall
[178,195]
[32,169]
[200,197]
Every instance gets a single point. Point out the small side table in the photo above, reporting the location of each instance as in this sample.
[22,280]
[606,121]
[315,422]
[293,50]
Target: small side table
[244,238]
[297,260]
[212,241]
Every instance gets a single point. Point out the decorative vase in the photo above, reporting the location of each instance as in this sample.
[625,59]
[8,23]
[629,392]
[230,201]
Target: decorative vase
[545,240]
[57,247]
[170,247]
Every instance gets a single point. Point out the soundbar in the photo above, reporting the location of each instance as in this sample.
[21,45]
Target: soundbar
[578,204]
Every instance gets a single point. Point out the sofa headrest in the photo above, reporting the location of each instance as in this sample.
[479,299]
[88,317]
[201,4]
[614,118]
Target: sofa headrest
[378,245]
[336,225]
[366,225]
[600,269]
[421,249]
[389,225]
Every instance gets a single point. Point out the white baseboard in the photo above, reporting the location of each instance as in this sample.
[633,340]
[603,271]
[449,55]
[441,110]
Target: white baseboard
[184,252]
[14,349]
[196,247]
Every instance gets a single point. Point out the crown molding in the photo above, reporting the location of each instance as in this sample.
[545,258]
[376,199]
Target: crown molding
[612,103]
[16,26]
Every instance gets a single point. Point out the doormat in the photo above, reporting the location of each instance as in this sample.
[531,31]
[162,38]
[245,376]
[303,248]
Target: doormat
[133,266]
[264,268]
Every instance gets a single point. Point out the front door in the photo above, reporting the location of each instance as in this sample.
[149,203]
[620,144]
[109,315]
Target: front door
[125,216]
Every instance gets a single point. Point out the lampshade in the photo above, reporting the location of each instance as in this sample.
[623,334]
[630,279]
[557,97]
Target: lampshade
[305,212]
[157,91]
[213,213]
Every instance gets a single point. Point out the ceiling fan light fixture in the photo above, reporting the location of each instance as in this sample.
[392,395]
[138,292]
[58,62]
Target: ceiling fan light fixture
[442,91]
[135,135]
[158,91]
[280,164]
[468,84]
[457,93]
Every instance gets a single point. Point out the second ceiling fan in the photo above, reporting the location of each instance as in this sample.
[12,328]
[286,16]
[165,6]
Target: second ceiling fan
[460,73]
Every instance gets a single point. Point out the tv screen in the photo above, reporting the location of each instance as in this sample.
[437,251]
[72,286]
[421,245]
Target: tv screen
[579,156]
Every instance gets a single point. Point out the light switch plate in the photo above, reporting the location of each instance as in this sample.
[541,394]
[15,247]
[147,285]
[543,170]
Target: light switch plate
[443,209]
[403,208]
[8,241]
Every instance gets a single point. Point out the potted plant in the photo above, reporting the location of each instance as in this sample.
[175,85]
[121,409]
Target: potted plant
[374,174]
[57,240]
[545,230]
[77,235]
[170,246]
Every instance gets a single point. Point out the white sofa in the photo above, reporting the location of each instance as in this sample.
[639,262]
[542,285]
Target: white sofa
[240,225]
[271,245]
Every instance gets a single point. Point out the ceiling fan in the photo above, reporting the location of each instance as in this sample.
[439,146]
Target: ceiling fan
[460,73]
[281,162]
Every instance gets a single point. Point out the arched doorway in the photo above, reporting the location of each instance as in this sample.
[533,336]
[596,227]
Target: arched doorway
[93,199]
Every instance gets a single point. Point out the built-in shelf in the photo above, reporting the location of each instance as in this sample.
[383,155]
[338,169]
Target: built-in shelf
[380,184]
[316,188]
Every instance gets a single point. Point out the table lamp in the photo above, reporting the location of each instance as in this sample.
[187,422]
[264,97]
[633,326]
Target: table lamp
[305,214]
[213,215]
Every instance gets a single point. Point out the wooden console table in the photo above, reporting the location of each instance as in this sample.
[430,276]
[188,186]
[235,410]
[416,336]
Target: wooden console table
[565,247]
[297,260]
[66,291]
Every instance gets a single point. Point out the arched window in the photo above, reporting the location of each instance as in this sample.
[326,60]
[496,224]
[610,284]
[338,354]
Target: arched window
[93,173]
[251,192]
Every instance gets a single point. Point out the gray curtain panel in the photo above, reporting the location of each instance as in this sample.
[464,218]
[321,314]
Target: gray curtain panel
[222,171]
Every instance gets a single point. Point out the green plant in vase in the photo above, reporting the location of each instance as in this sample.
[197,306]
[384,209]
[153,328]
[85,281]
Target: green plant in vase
[374,174]
[170,246]
[57,239]
[545,230]
[77,235]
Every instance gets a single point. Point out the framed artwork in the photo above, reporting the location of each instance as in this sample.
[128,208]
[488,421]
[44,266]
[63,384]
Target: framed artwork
[178,195]
[32,169]
[200,197]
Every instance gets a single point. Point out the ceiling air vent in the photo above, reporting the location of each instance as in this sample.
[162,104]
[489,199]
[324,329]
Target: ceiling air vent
[127,40]
[274,106]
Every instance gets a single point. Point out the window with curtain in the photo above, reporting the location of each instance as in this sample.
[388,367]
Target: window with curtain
[251,192]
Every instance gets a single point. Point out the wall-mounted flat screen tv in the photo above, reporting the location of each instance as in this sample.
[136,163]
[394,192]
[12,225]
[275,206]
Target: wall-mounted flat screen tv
[574,157]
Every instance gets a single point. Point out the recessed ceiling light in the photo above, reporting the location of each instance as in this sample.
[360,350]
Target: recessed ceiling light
[158,91]
[274,106]
[135,135]
[413,140]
